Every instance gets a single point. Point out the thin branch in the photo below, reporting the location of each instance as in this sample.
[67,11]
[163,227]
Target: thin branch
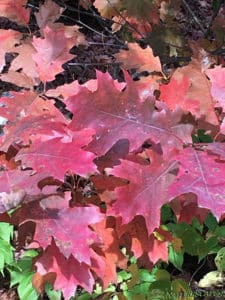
[93,64]
[194,16]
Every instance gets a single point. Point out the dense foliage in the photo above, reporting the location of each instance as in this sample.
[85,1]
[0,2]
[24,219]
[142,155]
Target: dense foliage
[86,167]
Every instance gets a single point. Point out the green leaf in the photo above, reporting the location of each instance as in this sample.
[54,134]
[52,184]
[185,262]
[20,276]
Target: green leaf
[212,244]
[201,137]
[167,215]
[211,222]
[6,254]
[6,231]
[146,276]
[85,296]
[193,242]
[123,276]
[133,260]
[162,275]
[197,225]
[21,274]
[139,289]
[220,260]
[220,231]
[25,289]
[52,295]
[159,288]
[176,258]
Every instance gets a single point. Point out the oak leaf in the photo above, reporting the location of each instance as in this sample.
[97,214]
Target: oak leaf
[52,52]
[48,12]
[69,272]
[190,89]
[146,192]
[202,174]
[68,226]
[8,38]
[116,115]
[15,10]
[216,77]
[29,117]
[140,59]
[59,157]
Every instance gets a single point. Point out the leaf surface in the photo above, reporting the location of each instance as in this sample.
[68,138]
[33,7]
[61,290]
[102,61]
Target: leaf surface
[140,59]
[66,280]
[52,52]
[69,226]
[15,10]
[59,157]
[116,115]
[202,174]
[216,77]
[145,193]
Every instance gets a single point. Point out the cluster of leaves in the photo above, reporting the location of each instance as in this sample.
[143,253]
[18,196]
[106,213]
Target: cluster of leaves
[93,180]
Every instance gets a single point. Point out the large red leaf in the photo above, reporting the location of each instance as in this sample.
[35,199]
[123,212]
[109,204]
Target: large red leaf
[69,272]
[15,106]
[52,52]
[30,118]
[58,156]
[190,89]
[68,226]
[146,191]
[116,115]
[204,175]
[15,10]
[216,76]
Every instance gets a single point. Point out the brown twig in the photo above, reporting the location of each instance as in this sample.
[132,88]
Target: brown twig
[194,16]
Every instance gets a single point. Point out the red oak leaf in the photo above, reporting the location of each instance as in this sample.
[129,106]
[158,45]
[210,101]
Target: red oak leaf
[140,59]
[17,179]
[216,77]
[30,118]
[136,234]
[158,250]
[203,175]
[58,156]
[25,62]
[145,193]
[8,38]
[52,52]
[190,89]
[186,208]
[69,272]
[15,106]
[175,94]
[68,226]
[15,10]
[18,78]
[48,12]
[116,115]
[111,252]
[14,187]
